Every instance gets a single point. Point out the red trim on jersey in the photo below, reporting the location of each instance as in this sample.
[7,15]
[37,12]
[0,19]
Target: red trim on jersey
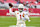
[20,16]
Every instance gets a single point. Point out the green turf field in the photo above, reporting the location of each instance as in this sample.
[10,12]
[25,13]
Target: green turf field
[8,21]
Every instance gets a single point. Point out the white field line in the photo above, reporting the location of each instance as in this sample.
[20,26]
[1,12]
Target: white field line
[26,26]
[14,17]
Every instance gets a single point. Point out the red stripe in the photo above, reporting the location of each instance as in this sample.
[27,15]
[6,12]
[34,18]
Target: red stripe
[20,16]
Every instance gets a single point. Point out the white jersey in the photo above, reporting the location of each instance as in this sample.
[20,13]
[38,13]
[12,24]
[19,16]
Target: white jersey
[20,15]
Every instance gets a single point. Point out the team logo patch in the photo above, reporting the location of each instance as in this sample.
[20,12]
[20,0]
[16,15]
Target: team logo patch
[23,14]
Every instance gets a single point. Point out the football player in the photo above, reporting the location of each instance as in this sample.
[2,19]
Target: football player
[21,16]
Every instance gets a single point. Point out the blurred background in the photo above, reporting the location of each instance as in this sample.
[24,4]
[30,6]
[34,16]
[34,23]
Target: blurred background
[32,5]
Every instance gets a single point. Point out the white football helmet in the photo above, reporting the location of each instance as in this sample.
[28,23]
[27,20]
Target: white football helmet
[21,7]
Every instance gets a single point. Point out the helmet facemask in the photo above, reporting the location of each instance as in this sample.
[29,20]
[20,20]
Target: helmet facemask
[20,9]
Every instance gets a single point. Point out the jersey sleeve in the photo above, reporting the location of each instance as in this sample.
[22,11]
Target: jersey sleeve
[10,10]
[26,13]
